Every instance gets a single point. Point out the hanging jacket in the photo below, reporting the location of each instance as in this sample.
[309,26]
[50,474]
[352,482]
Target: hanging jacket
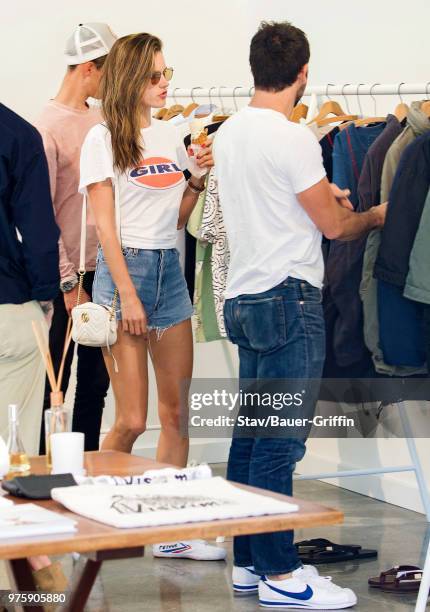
[426,318]
[401,329]
[418,280]
[417,123]
[406,203]
[344,261]
[369,185]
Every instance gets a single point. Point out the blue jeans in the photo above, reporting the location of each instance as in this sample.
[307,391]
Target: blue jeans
[280,334]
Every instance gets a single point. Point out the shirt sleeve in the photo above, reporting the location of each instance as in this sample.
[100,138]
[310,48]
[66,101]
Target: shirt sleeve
[67,268]
[51,153]
[34,219]
[304,162]
[96,163]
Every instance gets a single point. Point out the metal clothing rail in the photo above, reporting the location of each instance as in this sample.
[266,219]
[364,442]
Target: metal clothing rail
[330,89]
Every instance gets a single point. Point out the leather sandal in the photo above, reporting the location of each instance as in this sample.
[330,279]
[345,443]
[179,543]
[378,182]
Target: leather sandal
[398,579]
[320,550]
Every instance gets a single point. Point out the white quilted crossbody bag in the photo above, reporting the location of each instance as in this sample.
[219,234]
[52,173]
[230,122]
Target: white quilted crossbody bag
[95,324]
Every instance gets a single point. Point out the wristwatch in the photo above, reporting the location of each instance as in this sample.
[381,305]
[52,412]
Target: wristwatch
[68,285]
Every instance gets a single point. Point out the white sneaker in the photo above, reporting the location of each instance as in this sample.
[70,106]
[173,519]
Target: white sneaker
[309,592]
[305,572]
[245,579]
[199,550]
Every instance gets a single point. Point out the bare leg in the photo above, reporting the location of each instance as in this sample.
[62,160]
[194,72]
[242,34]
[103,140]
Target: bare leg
[172,357]
[130,387]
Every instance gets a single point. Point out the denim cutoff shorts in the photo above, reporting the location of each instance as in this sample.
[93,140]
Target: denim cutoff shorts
[159,282]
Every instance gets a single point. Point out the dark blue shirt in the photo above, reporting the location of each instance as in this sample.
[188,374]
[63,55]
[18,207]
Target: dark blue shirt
[29,267]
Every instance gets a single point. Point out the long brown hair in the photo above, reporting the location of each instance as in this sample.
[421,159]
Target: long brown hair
[126,73]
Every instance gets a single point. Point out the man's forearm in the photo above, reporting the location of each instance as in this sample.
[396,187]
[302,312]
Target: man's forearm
[354,225]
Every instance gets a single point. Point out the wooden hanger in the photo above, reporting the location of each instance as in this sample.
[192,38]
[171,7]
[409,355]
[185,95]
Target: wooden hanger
[336,119]
[189,109]
[368,120]
[401,111]
[160,114]
[331,107]
[425,107]
[174,110]
[299,112]
[220,117]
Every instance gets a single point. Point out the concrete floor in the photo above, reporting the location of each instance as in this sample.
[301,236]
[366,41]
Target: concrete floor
[175,585]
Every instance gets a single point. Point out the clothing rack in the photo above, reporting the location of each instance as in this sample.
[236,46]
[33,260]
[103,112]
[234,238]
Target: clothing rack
[346,89]
[330,89]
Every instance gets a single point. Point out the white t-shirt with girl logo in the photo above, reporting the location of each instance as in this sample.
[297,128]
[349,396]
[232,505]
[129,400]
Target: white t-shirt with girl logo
[150,194]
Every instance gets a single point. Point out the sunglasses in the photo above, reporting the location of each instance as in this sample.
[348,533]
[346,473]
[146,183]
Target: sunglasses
[156,76]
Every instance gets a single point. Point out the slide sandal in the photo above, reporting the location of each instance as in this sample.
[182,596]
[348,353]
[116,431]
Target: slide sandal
[320,550]
[399,579]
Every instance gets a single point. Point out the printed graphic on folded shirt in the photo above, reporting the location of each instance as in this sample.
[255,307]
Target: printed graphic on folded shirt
[130,506]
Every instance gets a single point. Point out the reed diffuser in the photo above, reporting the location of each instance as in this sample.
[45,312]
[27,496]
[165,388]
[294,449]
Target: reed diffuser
[57,418]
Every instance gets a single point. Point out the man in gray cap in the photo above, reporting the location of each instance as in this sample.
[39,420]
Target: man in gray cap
[63,124]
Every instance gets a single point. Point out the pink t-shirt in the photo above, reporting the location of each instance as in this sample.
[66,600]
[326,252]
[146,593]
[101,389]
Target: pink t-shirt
[63,130]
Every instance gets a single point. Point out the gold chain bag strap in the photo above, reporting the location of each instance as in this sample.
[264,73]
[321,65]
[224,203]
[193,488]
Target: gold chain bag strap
[95,324]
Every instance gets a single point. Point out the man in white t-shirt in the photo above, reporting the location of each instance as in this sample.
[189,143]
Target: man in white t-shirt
[277,203]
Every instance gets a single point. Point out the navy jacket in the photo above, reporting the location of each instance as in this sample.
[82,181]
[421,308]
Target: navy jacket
[406,203]
[401,327]
[401,324]
[29,267]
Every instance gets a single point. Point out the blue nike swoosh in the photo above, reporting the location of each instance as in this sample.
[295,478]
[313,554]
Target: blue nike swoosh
[304,595]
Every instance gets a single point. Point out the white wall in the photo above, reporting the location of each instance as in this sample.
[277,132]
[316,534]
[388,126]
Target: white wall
[207,43]
[197,43]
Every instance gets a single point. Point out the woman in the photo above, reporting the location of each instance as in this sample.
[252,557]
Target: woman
[144,158]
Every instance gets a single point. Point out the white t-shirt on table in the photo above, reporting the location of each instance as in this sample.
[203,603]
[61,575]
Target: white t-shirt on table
[262,161]
[150,194]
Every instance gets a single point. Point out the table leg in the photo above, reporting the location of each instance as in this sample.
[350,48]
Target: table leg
[22,576]
[82,585]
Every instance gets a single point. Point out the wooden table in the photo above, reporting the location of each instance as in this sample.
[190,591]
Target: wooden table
[99,542]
